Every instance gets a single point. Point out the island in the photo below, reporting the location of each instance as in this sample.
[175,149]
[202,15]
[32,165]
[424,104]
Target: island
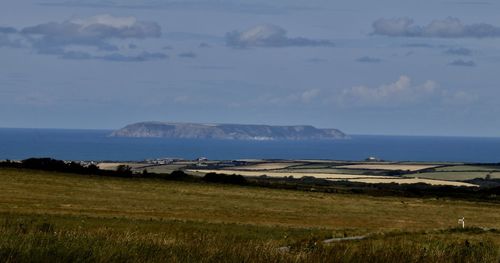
[173,130]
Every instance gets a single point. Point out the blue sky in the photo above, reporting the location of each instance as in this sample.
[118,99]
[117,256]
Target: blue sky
[365,67]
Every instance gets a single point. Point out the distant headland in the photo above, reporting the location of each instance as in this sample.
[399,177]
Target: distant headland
[226,131]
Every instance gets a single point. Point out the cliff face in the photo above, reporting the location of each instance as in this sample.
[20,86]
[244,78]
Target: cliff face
[226,131]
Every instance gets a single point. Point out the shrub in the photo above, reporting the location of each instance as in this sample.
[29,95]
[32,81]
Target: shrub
[225,179]
[178,176]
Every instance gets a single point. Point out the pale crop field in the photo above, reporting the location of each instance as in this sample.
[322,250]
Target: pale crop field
[458,176]
[389,167]
[266,166]
[410,181]
[467,168]
[312,166]
[114,166]
[372,179]
[287,174]
[323,171]
[168,168]
[109,166]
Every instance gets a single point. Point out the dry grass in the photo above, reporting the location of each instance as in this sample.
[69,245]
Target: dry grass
[51,217]
[41,192]
[73,239]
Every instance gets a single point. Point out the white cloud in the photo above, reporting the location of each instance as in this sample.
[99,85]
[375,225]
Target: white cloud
[302,97]
[462,63]
[393,26]
[6,37]
[93,30]
[450,27]
[460,51]
[71,39]
[459,98]
[367,59]
[107,20]
[309,95]
[267,35]
[400,93]
[7,41]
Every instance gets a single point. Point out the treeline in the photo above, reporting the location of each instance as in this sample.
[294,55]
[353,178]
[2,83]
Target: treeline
[124,171]
[53,165]
[309,184]
[48,164]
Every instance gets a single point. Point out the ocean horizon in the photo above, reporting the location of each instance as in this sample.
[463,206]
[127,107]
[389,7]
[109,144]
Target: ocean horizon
[76,144]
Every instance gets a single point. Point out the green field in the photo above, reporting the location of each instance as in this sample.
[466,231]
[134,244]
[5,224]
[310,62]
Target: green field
[428,171]
[63,217]
[455,176]
[327,171]
[468,168]
[460,172]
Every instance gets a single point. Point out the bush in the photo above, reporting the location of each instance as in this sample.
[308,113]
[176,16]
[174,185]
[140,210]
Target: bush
[225,179]
[124,169]
[46,164]
[178,176]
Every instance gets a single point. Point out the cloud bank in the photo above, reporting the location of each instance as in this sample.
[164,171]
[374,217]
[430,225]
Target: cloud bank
[462,63]
[6,39]
[93,31]
[187,55]
[304,97]
[71,39]
[95,28]
[447,28]
[402,92]
[7,30]
[459,51]
[367,59]
[268,35]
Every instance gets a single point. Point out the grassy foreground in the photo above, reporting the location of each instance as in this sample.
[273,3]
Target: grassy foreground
[49,217]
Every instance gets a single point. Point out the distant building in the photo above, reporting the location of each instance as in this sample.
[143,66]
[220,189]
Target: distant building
[202,159]
[372,159]
[162,161]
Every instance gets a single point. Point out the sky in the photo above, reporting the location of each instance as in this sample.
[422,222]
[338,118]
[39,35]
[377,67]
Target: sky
[394,67]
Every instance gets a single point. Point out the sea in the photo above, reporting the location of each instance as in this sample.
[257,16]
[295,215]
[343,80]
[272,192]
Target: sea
[97,145]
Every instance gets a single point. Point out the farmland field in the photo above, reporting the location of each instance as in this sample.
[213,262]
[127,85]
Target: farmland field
[168,168]
[268,166]
[62,217]
[371,179]
[456,176]
[324,171]
[468,168]
[452,174]
[404,167]
[396,180]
